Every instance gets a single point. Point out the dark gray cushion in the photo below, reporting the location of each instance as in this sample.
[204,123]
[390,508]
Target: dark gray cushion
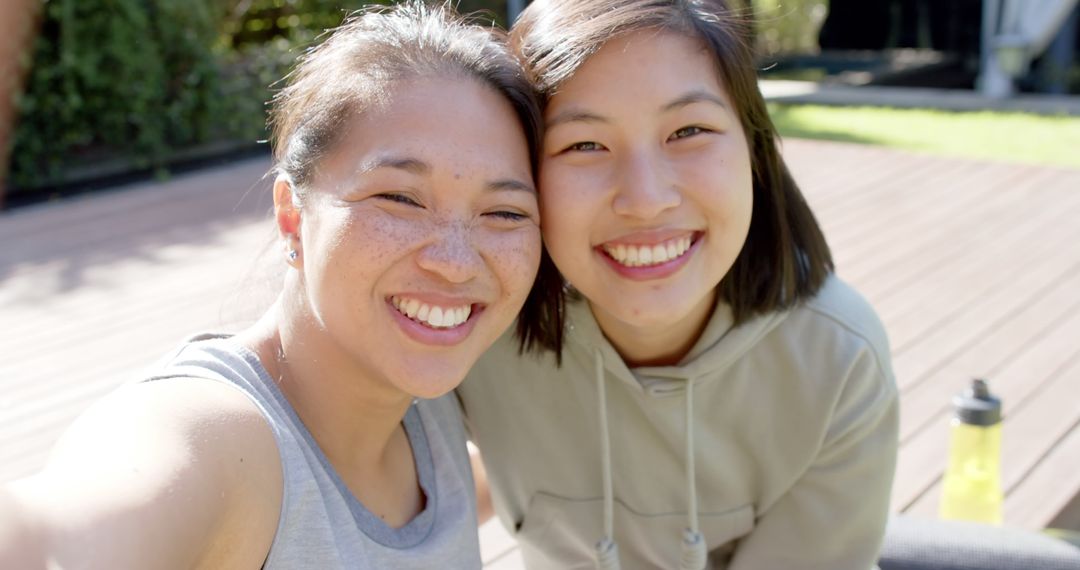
[928,544]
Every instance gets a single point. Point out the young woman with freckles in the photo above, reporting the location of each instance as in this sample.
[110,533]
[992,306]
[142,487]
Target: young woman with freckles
[321,437]
[707,393]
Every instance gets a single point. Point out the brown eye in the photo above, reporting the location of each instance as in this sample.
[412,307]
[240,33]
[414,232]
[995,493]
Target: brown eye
[686,132]
[584,147]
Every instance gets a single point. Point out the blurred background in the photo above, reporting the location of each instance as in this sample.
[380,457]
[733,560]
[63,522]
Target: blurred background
[96,89]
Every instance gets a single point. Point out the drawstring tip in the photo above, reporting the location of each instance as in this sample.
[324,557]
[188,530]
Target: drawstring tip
[694,552]
[607,554]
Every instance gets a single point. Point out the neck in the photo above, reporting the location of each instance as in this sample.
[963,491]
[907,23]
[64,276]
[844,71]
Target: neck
[656,343]
[352,417]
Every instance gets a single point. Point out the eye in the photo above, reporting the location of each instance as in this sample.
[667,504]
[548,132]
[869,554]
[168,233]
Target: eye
[507,215]
[686,132]
[399,198]
[587,146]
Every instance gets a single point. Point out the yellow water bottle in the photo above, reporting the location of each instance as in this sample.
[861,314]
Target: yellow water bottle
[972,486]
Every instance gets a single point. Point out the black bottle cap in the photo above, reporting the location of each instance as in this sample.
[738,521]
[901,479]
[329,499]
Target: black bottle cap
[976,405]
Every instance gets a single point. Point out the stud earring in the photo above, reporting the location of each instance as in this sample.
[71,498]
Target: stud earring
[293,255]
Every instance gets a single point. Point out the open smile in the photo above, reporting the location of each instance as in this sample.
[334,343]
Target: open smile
[646,261]
[437,324]
[646,255]
[432,316]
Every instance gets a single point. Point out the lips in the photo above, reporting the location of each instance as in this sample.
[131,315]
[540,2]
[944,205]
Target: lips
[430,315]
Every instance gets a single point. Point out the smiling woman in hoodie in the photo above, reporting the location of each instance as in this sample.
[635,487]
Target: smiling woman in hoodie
[708,393]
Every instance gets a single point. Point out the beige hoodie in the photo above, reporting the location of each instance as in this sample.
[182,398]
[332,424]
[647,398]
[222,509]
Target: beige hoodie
[793,430]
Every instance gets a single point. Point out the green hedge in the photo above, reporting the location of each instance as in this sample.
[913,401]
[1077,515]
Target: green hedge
[136,80]
[117,77]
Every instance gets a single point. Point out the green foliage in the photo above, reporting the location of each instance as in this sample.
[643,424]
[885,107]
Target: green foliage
[139,79]
[298,22]
[114,77]
[260,39]
[258,43]
[789,26]
[255,23]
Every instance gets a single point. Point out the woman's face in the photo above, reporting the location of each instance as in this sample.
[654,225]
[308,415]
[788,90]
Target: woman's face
[420,233]
[646,187]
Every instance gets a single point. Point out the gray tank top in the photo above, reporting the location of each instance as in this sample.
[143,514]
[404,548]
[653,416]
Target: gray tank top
[322,525]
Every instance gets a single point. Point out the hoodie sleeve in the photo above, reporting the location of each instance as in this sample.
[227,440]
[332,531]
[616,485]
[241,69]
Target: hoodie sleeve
[833,516]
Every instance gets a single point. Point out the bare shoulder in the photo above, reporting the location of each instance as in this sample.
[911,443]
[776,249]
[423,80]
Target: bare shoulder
[181,470]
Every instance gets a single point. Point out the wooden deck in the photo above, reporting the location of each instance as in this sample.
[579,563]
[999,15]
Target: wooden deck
[973,266]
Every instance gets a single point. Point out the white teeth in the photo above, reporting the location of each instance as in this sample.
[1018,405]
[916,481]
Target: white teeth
[434,317]
[637,256]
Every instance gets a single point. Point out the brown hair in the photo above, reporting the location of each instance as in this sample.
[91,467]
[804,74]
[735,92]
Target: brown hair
[785,258]
[355,66]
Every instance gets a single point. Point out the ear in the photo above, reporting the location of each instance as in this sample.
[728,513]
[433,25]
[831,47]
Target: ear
[286,210]
[287,215]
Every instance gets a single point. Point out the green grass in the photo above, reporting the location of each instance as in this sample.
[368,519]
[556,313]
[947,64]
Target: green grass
[1014,137]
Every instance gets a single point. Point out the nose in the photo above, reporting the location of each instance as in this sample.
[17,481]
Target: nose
[643,190]
[451,253]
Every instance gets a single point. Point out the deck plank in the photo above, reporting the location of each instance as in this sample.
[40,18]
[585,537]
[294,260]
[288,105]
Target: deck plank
[922,457]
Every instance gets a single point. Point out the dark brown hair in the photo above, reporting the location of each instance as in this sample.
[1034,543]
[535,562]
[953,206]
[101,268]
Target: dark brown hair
[356,66]
[785,258]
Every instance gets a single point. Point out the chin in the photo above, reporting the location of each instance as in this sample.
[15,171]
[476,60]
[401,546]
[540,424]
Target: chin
[651,319]
[430,384]
[650,310]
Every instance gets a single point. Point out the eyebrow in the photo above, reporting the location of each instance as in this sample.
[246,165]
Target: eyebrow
[576,116]
[410,165]
[510,184]
[696,96]
[420,168]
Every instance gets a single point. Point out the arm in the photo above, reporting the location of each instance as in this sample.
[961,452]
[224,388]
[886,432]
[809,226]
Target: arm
[833,517]
[174,474]
[19,540]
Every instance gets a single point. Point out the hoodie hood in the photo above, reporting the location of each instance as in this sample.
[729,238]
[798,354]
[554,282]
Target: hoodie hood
[719,346]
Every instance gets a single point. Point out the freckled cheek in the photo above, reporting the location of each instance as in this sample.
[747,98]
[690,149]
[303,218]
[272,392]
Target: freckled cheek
[366,246]
[513,257]
[391,233]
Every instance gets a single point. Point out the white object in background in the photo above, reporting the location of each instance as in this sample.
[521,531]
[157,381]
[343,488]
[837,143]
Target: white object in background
[1013,33]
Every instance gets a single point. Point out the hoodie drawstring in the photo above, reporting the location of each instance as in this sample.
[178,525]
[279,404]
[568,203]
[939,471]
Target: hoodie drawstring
[694,552]
[607,551]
